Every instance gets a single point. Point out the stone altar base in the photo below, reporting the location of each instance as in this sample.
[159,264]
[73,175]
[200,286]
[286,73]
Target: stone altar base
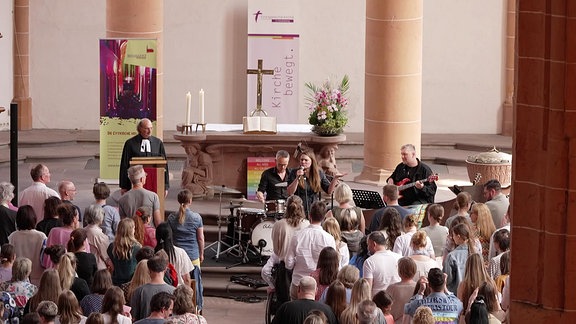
[219,157]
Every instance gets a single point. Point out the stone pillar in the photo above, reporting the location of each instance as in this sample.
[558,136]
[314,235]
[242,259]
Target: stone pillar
[508,116]
[543,272]
[393,85]
[22,63]
[140,19]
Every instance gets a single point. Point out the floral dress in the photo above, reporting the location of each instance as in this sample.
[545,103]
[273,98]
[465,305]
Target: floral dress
[21,291]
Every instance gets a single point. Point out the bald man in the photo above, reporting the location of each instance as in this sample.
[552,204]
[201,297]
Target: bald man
[141,145]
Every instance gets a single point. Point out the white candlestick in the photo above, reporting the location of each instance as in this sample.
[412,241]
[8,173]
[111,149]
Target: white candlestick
[188,104]
[201,95]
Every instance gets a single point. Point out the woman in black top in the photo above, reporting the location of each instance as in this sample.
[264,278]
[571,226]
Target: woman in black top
[86,265]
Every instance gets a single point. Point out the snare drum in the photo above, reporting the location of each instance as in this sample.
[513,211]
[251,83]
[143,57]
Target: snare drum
[277,207]
[247,217]
[262,236]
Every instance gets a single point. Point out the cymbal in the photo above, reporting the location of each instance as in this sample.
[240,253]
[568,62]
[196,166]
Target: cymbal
[244,200]
[224,189]
[232,206]
[281,184]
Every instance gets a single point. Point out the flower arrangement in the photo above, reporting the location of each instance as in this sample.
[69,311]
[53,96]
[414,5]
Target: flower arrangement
[327,105]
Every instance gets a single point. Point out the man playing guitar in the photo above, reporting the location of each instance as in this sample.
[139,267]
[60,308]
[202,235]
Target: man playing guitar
[412,170]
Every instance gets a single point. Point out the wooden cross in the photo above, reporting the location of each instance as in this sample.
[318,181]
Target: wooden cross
[259,72]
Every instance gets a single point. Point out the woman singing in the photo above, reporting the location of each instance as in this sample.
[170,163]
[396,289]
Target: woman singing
[309,180]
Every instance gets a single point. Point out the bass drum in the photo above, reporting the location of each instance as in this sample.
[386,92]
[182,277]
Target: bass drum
[262,236]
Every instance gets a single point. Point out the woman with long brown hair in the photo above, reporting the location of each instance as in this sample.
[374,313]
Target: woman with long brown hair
[326,269]
[188,234]
[69,311]
[86,265]
[308,181]
[122,252]
[49,289]
[113,307]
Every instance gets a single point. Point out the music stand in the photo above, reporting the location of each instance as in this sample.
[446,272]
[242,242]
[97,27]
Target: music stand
[367,199]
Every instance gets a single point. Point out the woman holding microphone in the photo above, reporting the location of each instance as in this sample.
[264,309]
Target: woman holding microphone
[308,181]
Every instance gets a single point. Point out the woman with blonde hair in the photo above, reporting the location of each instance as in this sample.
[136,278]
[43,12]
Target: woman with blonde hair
[122,252]
[331,226]
[336,297]
[49,289]
[68,277]
[188,233]
[113,307]
[141,276]
[308,181]
[343,195]
[144,232]
[423,262]
[474,276]
[483,228]
[69,311]
[184,311]
[19,286]
[361,291]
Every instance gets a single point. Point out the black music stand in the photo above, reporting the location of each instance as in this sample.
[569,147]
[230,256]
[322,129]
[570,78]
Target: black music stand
[367,199]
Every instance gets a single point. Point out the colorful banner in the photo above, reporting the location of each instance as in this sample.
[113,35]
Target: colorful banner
[127,94]
[255,167]
[273,37]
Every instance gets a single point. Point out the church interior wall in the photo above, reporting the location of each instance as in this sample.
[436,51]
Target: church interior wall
[205,47]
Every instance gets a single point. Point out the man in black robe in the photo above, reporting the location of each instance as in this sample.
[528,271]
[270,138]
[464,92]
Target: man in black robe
[141,145]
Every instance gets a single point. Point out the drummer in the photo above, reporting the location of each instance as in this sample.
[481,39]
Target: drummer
[273,181]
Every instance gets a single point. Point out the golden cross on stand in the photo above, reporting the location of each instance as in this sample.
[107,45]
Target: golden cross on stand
[259,72]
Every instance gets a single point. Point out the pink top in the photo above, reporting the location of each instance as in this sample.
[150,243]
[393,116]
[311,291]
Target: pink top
[59,235]
[149,236]
[319,288]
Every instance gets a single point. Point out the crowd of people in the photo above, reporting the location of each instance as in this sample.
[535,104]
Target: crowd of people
[112,263]
[338,269]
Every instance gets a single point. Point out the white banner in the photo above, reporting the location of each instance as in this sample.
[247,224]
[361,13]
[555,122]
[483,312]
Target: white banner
[273,38]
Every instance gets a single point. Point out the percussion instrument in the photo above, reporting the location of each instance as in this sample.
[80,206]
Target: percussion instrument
[247,217]
[275,207]
[262,236]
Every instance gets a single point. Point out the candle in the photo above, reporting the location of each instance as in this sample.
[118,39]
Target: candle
[201,95]
[188,103]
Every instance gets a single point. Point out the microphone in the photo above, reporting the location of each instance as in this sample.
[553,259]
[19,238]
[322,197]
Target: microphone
[303,176]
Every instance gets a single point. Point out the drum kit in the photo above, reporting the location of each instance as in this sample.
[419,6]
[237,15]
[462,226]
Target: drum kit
[252,226]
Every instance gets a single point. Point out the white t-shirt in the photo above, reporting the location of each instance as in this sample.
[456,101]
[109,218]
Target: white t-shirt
[382,268]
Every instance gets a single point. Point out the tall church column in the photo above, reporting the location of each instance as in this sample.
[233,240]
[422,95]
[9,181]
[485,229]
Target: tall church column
[393,85]
[543,272]
[507,107]
[142,19]
[22,63]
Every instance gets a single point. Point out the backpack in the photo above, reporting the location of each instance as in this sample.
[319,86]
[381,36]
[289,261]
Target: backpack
[171,276]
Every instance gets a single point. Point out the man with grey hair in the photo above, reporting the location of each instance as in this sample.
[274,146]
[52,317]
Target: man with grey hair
[418,174]
[296,311]
[273,180]
[36,194]
[381,268]
[7,215]
[138,196]
[141,145]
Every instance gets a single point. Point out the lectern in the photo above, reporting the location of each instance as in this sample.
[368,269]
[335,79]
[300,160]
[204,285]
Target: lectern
[155,168]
